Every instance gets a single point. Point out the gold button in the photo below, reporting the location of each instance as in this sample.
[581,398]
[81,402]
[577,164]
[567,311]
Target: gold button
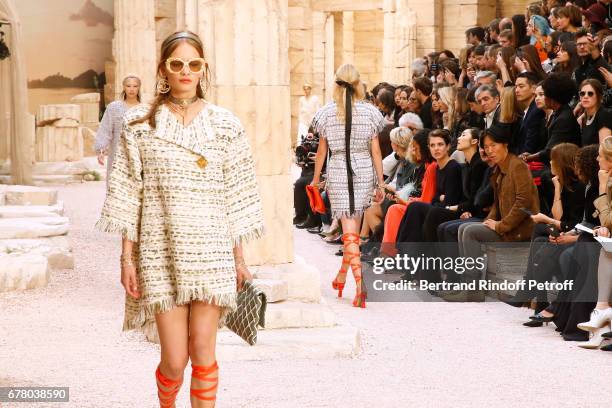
[202,162]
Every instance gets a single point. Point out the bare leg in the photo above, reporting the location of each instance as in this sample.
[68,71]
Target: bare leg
[173,329]
[351,249]
[203,323]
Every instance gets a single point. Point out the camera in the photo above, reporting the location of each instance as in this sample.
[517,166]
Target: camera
[307,149]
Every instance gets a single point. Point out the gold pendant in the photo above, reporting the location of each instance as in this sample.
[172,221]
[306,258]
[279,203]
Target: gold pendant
[202,162]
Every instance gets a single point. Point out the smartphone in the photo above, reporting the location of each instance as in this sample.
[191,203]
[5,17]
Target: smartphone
[553,231]
[526,211]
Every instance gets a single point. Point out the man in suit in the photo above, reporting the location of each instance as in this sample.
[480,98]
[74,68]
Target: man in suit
[529,138]
[559,88]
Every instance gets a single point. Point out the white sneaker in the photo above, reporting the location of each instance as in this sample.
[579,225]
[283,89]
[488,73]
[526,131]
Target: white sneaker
[599,317]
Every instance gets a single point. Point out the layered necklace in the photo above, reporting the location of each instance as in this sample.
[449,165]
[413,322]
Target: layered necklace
[180,106]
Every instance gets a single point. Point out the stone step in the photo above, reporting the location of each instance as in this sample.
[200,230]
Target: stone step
[57,250]
[23,271]
[276,290]
[28,195]
[303,279]
[29,211]
[294,314]
[15,228]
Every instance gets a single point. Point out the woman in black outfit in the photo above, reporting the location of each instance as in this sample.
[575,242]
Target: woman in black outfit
[578,261]
[596,121]
[472,175]
[448,190]
[546,242]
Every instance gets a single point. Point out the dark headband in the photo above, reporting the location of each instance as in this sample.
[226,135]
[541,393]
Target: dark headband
[180,36]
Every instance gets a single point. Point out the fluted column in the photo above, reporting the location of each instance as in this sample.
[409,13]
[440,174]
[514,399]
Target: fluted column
[246,45]
[399,41]
[134,47]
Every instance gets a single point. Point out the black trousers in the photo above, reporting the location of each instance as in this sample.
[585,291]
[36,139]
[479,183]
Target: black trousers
[435,217]
[300,199]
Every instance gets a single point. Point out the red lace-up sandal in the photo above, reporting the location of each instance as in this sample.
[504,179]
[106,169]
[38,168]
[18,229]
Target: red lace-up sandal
[347,238]
[203,373]
[167,397]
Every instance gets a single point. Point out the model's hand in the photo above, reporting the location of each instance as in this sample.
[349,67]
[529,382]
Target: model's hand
[129,280]
[101,158]
[242,275]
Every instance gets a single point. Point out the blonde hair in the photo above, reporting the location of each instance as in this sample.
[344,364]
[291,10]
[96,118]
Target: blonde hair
[401,137]
[349,74]
[508,105]
[448,95]
[606,148]
[137,78]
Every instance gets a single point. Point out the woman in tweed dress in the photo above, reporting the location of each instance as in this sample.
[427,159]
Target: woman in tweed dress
[184,196]
[109,131]
[349,127]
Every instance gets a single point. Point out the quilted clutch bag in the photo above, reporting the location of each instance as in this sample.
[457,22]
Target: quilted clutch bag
[249,314]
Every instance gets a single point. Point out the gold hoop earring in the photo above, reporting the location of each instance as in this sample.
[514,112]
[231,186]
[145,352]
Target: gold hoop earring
[162,86]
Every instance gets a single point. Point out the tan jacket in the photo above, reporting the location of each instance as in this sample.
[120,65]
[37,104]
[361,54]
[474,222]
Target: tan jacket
[514,189]
[603,205]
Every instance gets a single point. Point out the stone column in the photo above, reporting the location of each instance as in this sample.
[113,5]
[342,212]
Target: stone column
[134,44]
[348,38]
[399,42]
[247,49]
[330,56]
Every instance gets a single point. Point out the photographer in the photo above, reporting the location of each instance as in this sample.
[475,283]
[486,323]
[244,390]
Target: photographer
[305,154]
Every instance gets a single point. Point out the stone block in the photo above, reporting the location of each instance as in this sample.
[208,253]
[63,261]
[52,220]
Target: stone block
[23,271]
[264,113]
[28,195]
[57,250]
[303,280]
[89,141]
[58,144]
[28,211]
[506,262]
[16,228]
[276,246]
[3,195]
[165,8]
[91,97]
[70,111]
[275,290]
[292,314]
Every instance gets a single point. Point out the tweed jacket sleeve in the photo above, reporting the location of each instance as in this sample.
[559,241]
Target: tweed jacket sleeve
[244,208]
[122,207]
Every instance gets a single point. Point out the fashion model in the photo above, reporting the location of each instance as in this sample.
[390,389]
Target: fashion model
[349,127]
[109,131]
[183,194]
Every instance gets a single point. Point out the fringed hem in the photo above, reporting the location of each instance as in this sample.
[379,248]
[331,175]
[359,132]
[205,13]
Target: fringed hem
[109,225]
[249,236]
[146,314]
[339,214]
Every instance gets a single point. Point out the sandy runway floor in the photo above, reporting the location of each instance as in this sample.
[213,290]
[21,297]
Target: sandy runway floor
[414,354]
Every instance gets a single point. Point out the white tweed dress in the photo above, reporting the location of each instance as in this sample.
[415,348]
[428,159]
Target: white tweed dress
[185,214]
[367,122]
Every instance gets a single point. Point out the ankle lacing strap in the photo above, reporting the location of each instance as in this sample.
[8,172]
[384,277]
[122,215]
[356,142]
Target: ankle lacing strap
[167,398]
[202,373]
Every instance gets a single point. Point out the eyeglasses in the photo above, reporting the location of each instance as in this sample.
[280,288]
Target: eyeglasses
[582,44]
[590,94]
[176,65]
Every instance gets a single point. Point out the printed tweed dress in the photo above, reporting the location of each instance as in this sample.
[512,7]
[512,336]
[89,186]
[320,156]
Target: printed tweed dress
[187,195]
[366,124]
